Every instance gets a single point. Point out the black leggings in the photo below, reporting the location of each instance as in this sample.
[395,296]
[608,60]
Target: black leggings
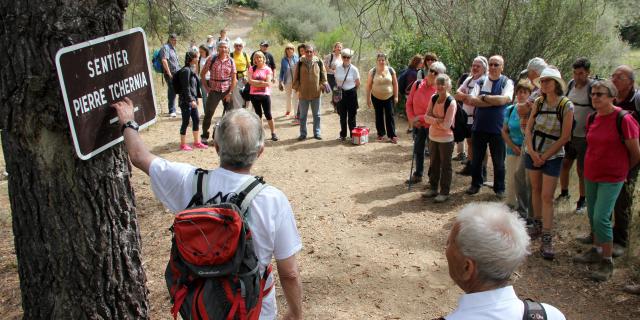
[187,112]
[347,109]
[262,103]
[385,124]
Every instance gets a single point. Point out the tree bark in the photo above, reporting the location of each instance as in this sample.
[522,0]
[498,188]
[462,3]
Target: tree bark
[74,222]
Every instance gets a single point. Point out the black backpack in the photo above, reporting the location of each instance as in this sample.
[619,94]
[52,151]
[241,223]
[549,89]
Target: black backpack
[175,81]
[619,117]
[213,270]
[459,126]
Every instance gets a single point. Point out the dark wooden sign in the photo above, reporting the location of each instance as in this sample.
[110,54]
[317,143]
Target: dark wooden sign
[98,72]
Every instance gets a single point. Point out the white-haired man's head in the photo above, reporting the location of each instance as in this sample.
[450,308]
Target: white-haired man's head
[239,139]
[486,245]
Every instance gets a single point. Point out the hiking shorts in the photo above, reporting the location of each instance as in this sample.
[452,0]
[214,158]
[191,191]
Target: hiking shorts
[549,168]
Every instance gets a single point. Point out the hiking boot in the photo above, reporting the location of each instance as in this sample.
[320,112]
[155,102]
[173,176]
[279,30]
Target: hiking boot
[581,206]
[603,272]
[274,137]
[585,239]
[632,288]
[546,246]
[618,250]
[301,138]
[466,171]
[440,198]
[460,157]
[430,193]
[414,179]
[562,197]
[534,229]
[500,195]
[590,256]
[472,190]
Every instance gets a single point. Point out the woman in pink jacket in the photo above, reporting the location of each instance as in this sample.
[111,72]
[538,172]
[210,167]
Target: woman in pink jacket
[439,116]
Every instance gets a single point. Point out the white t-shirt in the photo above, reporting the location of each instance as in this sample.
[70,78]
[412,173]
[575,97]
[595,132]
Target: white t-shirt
[581,109]
[350,81]
[467,87]
[499,303]
[271,219]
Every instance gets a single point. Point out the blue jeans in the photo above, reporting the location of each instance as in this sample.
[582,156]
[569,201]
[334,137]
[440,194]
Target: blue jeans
[420,138]
[304,110]
[171,94]
[480,140]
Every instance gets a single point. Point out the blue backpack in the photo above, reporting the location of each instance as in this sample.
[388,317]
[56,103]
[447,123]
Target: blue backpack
[156,62]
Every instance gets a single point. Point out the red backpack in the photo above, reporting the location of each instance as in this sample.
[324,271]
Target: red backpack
[213,270]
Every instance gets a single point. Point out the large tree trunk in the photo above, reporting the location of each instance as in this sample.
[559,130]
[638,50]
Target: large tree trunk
[74,221]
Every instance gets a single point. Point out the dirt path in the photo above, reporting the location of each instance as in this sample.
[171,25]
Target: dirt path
[372,249]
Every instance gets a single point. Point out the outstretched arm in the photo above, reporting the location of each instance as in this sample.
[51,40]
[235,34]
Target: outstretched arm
[138,152]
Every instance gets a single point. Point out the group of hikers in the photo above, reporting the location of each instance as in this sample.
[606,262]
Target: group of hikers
[535,128]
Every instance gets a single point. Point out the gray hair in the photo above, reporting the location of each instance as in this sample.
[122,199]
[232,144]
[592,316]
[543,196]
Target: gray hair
[443,79]
[607,84]
[536,64]
[483,61]
[222,42]
[439,66]
[239,137]
[494,237]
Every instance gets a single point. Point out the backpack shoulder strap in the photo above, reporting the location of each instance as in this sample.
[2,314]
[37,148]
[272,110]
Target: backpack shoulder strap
[533,310]
[391,70]
[246,192]
[199,188]
[434,98]
[560,110]
[246,58]
[417,83]
[619,118]
[538,103]
[590,118]
[570,86]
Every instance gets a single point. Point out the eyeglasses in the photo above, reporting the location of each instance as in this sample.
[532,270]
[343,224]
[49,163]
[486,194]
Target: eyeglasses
[434,72]
[494,65]
[309,51]
[237,45]
[599,94]
[345,57]
[619,77]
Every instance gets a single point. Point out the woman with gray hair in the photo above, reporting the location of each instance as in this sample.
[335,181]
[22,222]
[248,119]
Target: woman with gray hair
[612,148]
[485,247]
[440,114]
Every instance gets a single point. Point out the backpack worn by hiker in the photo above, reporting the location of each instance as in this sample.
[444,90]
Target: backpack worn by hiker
[459,126]
[619,117]
[175,80]
[559,112]
[213,272]
[246,59]
[156,62]
[572,84]
[533,310]
[320,65]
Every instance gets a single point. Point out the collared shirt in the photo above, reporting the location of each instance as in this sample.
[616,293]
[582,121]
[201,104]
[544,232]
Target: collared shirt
[169,52]
[501,303]
[222,71]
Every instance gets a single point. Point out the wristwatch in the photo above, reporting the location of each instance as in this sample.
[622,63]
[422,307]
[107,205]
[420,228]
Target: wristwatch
[130,124]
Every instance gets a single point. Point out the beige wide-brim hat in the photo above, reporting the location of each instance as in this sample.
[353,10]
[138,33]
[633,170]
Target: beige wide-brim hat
[554,74]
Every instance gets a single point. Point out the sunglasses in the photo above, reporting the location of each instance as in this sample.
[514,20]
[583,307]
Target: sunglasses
[494,65]
[237,45]
[429,59]
[599,94]
[434,72]
[345,57]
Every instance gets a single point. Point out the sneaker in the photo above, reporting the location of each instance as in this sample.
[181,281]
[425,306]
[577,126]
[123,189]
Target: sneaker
[585,239]
[173,115]
[300,138]
[546,246]
[590,256]
[632,288]
[394,140]
[274,137]
[430,193]
[185,147]
[204,141]
[413,180]
[200,145]
[618,250]
[317,137]
[604,271]
[380,138]
[562,197]
[581,206]
[341,138]
[460,157]
[440,198]
[500,195]
[472,190]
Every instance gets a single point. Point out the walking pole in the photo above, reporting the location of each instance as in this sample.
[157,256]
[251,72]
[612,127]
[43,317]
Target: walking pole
[413,156]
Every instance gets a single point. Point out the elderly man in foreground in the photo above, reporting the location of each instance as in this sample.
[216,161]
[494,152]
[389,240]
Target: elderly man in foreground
[486,245]
[239,141]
